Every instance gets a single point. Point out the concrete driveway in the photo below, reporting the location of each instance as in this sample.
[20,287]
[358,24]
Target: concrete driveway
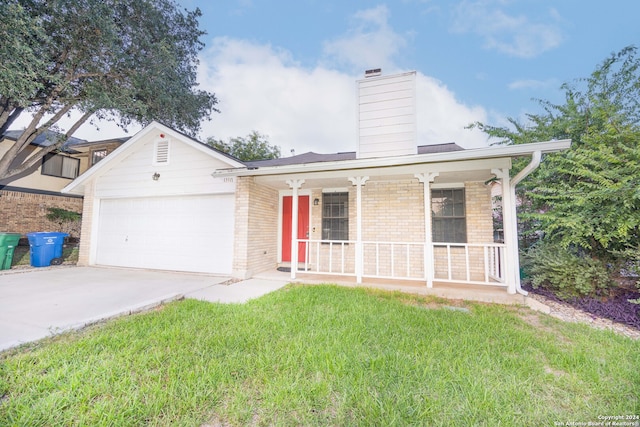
[42,302]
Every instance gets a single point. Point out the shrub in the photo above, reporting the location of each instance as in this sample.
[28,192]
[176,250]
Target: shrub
[68,221]
[566,271]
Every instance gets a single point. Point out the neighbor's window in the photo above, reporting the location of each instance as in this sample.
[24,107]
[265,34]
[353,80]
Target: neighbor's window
[335,216]
[60,166]
[97,155]
[448,213]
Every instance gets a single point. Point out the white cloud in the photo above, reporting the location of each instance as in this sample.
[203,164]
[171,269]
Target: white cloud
[441,118]
[371,43]
[532,84]
[262,88]
[514,35]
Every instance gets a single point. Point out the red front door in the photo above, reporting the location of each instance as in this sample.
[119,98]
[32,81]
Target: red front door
[303,226]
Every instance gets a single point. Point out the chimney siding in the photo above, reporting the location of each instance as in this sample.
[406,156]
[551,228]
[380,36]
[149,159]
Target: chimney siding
[387,116]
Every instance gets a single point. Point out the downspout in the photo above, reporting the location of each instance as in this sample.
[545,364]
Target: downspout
[536,158]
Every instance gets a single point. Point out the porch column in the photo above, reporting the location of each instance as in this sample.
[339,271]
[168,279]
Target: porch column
[295,184]
[359,181]
[426,179]
[510,227]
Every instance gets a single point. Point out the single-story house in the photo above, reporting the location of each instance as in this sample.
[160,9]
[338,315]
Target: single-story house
[391,209]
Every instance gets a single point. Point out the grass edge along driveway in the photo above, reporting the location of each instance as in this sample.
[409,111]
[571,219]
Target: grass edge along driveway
[324,355]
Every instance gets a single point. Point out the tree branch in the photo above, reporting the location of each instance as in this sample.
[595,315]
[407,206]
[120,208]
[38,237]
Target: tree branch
[35,159]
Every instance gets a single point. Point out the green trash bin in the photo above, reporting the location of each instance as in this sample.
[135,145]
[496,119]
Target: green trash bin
[8,242]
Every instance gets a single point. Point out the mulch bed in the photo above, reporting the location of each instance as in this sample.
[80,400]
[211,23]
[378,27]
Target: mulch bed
[616,308]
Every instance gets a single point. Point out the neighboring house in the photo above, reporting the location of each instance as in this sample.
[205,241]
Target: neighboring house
[391,210]
[24,198]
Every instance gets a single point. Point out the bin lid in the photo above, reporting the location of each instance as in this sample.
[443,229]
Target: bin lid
[41,236]
[9,239]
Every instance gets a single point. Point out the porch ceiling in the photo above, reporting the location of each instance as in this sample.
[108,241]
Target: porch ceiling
[449,173]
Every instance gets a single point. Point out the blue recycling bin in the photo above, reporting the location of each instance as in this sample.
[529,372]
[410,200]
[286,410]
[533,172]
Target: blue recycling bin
[46,248]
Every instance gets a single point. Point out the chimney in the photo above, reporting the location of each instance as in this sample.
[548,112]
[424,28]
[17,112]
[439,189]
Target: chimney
[387,123]
[373,72]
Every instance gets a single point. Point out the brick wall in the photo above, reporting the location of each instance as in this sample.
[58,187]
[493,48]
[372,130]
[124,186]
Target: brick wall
[393,211]
[22,212]
[87,224]
[256,228]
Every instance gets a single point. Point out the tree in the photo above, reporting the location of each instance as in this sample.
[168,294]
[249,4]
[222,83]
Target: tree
[588,197]
[253,147]
[120,60]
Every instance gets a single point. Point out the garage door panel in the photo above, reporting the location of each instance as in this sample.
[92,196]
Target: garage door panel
[190,233]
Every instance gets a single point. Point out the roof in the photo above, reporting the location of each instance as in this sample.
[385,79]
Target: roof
[493,152]
[312,157]
[46,139]
[103,141]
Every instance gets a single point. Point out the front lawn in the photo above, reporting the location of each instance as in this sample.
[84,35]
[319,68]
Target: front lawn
[324,355]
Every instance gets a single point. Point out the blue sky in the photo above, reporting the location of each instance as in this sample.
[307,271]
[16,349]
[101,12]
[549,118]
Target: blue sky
[288,68]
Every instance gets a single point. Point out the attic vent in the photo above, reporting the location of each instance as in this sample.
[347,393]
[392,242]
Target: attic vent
[161,152]
[373,73]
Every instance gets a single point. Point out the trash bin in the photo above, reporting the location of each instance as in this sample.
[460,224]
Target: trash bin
[8,242]
[46,248]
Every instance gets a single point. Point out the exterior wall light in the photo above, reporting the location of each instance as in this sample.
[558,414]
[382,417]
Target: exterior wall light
[155,176]
[316,202]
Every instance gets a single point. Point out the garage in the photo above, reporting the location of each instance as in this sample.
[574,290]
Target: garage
[154,204]
[185,233]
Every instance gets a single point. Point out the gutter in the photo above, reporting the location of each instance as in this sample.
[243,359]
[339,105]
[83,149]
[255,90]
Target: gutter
[536,158]
[473,154]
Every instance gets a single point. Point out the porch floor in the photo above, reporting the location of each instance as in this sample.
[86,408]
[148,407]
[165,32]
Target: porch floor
[482,293]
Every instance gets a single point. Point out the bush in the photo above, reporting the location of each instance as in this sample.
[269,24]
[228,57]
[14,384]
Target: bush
[566,272]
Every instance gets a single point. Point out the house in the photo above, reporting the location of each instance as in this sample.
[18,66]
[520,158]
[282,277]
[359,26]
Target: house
[24,198]
[391,209]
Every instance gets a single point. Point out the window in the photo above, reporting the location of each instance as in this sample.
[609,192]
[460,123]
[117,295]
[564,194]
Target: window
[448,214]
[335,216]
[60,166]
[97,155]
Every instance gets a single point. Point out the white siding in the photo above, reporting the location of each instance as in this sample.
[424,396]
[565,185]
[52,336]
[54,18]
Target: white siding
[188,171]
[387,116]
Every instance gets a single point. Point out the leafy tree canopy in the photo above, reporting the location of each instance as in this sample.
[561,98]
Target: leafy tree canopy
[252,147]
[589,196]
[120,60]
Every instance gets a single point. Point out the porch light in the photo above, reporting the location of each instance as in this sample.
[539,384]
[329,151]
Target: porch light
[155,176]
[316,202]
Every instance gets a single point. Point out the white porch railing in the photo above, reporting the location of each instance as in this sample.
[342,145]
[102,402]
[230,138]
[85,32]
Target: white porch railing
[394,260]
[453,262]
[481,264]
[335,257]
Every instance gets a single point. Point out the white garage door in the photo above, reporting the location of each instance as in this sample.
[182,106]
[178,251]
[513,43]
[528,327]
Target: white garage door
[186,233]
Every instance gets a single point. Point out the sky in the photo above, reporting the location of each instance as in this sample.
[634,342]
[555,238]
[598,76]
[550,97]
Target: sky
[288,68]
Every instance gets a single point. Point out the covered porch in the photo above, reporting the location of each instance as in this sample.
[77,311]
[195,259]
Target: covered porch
[374,226]
[422,221]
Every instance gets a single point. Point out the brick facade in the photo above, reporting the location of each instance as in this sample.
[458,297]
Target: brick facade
[25,212]
[256,228]
[87,225]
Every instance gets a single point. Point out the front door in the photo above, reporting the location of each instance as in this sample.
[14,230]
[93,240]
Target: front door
[303,226]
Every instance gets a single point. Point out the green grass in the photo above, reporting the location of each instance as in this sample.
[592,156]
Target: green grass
[323,355]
